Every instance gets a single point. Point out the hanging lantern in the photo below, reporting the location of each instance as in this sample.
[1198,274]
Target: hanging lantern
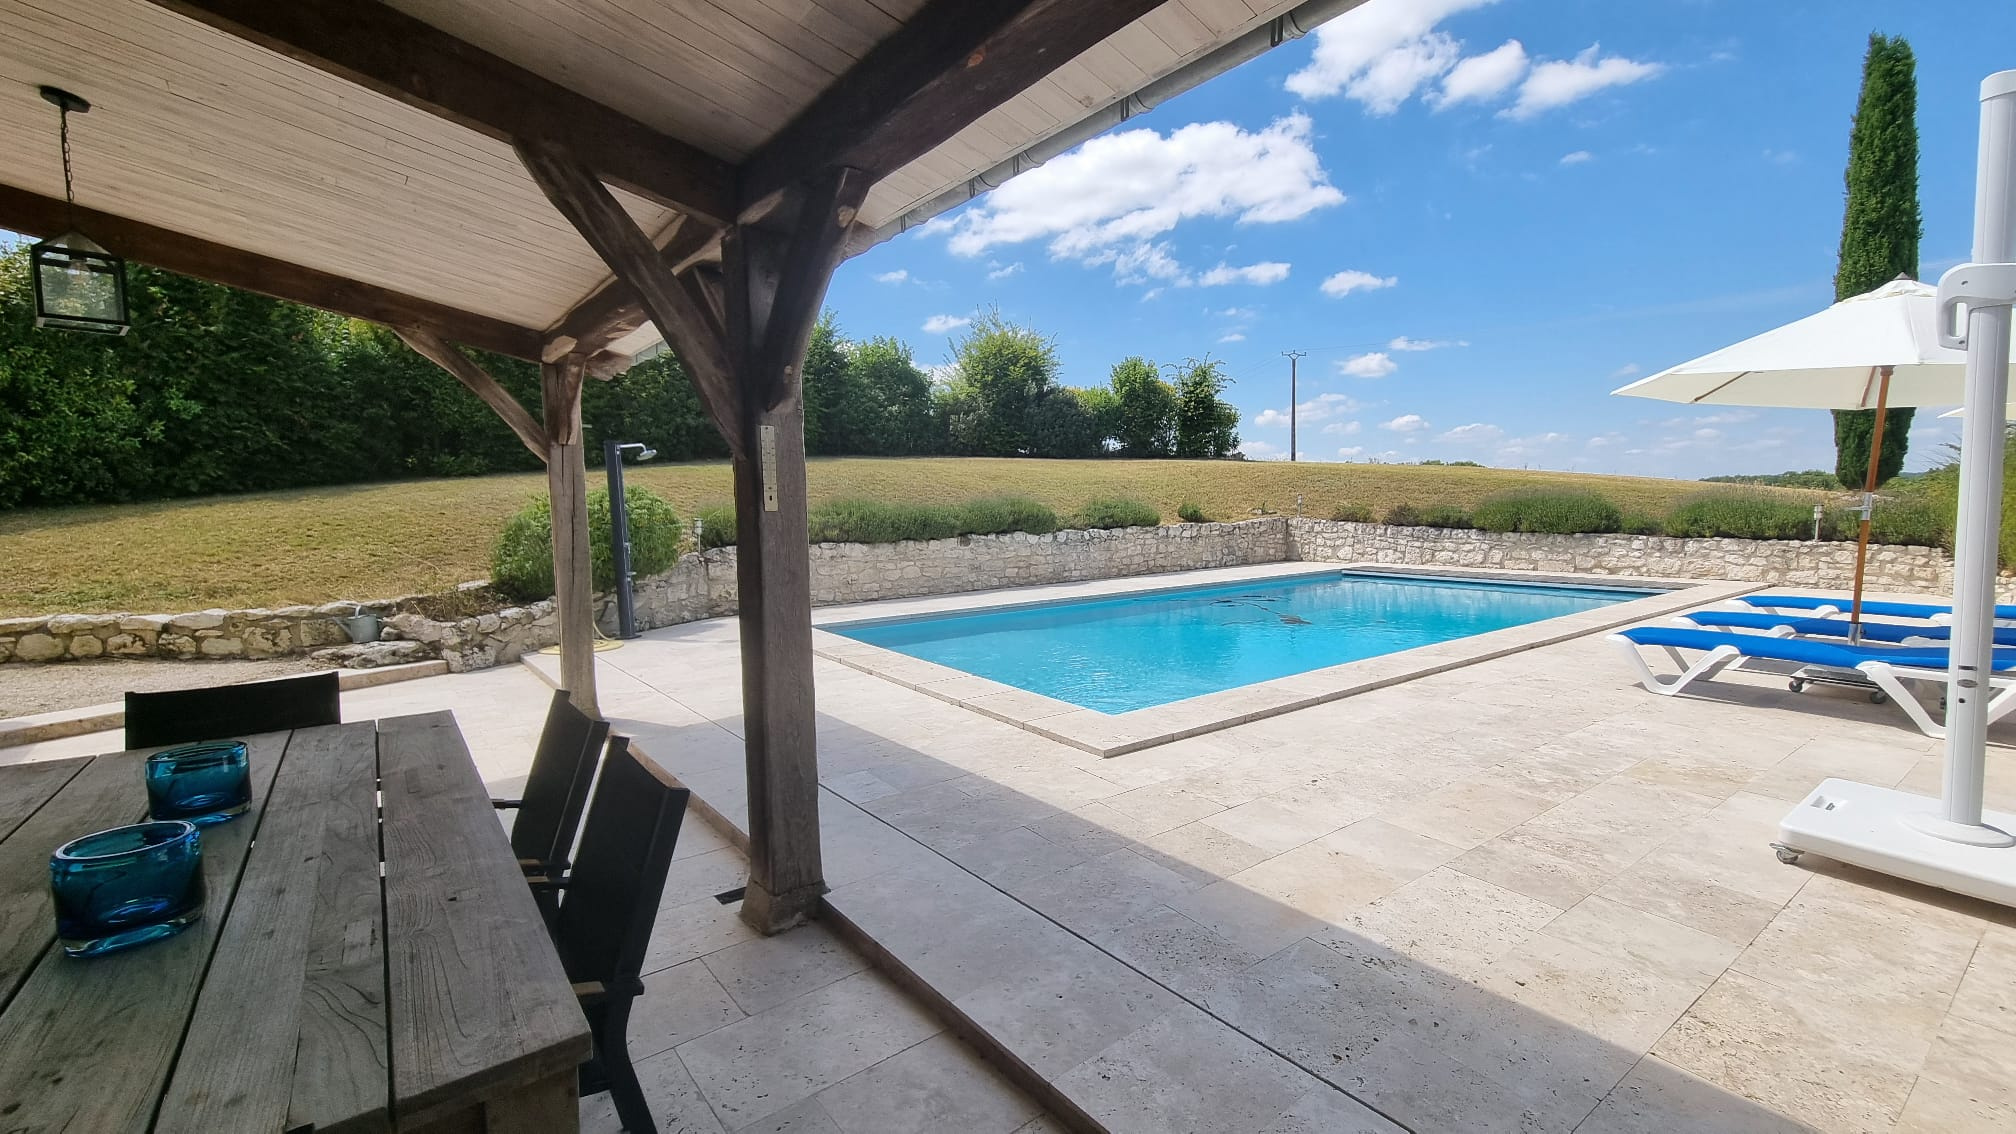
[78,285]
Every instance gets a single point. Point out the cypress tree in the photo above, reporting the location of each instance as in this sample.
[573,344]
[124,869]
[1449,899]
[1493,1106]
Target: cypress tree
[1879,231]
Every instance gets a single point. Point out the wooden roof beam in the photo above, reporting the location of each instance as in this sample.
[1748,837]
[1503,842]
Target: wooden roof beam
[613,311]
[479,382]
[40,216]
[406,59]
[943,69]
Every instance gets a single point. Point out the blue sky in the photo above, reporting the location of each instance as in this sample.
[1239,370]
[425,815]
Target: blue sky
[1629,186]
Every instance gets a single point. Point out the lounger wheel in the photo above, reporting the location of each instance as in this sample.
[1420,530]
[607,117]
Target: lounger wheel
[1787,855]
[1878,697]
[1797,685]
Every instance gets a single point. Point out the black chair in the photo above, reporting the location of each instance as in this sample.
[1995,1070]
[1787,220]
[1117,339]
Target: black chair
[556,791]
[186,715]
[609,906]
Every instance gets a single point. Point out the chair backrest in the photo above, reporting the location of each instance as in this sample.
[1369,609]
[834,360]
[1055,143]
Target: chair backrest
[556,790]
[611,901]
[220,711]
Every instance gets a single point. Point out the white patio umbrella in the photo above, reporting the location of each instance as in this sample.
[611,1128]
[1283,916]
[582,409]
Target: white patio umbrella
[1878,350]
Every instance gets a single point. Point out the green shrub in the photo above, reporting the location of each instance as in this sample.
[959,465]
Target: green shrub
[1741,515]
[1552,511]
[871,521]
[1403,516]
[1351,514]
[717,526]
[1642,523]
[1446,516]
[521,561]
[1190,512]
[993,514]
[1916,520]
[1116,512]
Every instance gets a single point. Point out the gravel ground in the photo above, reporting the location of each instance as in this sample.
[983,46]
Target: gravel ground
[26,689]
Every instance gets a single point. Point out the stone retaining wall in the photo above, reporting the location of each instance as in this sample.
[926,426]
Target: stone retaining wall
[200,634]
[1826,565]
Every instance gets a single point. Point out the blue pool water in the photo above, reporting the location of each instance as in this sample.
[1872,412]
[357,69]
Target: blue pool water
[1131,652]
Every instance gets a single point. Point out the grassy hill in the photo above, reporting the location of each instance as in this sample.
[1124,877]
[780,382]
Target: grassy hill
[377,540]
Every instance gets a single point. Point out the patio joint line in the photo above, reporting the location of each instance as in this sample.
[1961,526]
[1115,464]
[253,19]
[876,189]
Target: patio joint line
[1257,1041]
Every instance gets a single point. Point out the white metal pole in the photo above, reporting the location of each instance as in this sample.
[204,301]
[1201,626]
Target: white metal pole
[1976,539]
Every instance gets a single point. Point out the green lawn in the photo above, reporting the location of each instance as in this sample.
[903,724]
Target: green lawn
[379,540]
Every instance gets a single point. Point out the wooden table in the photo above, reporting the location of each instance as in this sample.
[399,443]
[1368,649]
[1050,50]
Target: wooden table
[319,991]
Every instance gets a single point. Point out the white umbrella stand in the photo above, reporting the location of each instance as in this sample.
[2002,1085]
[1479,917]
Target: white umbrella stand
[1952,842]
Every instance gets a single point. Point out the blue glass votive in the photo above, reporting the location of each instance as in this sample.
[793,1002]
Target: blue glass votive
[126,886]
[202,783]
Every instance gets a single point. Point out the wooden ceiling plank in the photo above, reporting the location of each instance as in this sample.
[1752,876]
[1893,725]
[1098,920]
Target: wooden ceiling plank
[951,63]
[37,215]
[387,51]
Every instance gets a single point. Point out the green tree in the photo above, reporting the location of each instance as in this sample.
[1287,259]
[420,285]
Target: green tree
[1146,409]
[831,413]
[1064,422]
[1880,227]
[1002,373]
[655,403]
[1206,425]
[888,380]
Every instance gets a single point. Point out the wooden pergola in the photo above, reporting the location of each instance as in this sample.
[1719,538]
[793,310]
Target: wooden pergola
[572,181]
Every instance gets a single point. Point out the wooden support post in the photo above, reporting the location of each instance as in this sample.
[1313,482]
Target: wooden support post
[567,486]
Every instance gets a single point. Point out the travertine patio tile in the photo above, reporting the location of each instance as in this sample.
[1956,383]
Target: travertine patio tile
[1466,812]
[1939,1107]
[808,1117]
[1659,1098]
[765,1063]
[1162,807]
[1405,854]
[1987,992]
[937,1086]
[973,934]
[1177,952]
[680,1003]
[1255,921]
[1276,824]
[1057,1015]
[1644,940]
[859,787]
[1328,1110]
[693,929]
[1200,853]
[1325,884]
[1186,1071]
[1449,920]
[1865,761]
[1532,871]
[766,972]
[669,1091]
[1789,1051]
[1102,893]
[1607,996]
[1018,855]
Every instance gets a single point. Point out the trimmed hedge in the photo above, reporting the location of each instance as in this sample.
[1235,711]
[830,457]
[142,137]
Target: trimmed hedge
[871,521]
[1352,514]
[1446,516]
[1117,512]
[993,514]
[521,562]
[1741,515]
[1190,512]
[717,526]
[1548,511]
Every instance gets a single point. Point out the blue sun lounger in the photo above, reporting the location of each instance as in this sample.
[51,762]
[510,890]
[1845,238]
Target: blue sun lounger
[1787,624]
[1886,667]
[1828,606]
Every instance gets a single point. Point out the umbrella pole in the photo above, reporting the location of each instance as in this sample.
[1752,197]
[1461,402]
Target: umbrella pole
[1869,502]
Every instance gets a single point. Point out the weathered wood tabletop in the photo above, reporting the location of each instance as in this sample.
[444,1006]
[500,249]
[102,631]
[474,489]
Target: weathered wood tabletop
[369,957]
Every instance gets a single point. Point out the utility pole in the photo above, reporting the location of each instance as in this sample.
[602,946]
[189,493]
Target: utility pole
[1293,357]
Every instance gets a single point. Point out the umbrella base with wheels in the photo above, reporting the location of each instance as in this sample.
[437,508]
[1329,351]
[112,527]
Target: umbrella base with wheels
[1839,678]
[1883,829]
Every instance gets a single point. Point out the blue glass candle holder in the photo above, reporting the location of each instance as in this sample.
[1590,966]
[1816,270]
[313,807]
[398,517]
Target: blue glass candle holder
[127,886]
[201,783]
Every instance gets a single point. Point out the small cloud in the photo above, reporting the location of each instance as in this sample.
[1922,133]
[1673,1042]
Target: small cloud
[1707,434]
[1343,428]
[1483,77]
[1262,274]
[945,324]
[1406,423]
[1577,158]
[1625,371]
[1727,417]
[1236,313]
[1559,82]
[897,276]
[1003,271]
[1350,280]
[1263,451]
[1403,343]
[1376,364]
[1318,408]
[1232,337]
[1350,451]
[1781,157]
[1477,432]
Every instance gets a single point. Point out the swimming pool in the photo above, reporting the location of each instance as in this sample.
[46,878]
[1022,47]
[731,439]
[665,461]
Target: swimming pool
[1141,650]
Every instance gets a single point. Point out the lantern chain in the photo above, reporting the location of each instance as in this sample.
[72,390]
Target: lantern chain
[63,132]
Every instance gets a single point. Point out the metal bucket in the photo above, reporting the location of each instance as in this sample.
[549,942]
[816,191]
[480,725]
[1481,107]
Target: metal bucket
[361,626]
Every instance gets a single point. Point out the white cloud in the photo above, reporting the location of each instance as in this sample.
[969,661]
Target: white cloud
[944,324]
[1403,343]
[1319,408]
[1263,451]
[1350,451]
[1262,274]
[1625,371]
[1480,78]
[1558,82]
[1232,337]
[1577,158]
[1343,428]
[1381,52]
[1377,364]
[1109,200]
[1351,279]
[1781,157]
[1001,271]
[1475,433]
[1406,423]
[897,276]
[1727,417]
[1236,313]
[1707,434]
